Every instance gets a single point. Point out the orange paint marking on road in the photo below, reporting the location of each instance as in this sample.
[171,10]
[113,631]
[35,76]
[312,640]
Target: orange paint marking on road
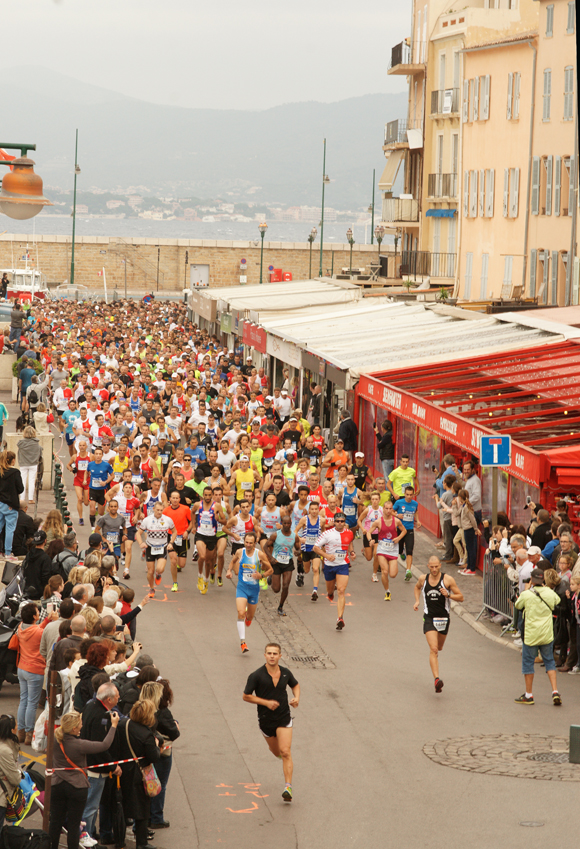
[257,795]
[251,810]
[248,784]
[225,785]
[226,794]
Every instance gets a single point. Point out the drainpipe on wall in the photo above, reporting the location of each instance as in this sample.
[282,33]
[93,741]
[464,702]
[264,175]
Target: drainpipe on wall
[572,251]
[459,179]
[530,159]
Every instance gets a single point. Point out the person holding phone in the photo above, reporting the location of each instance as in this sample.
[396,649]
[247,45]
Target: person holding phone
[385,446]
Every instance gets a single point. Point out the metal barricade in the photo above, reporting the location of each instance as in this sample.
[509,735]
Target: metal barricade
[498,590]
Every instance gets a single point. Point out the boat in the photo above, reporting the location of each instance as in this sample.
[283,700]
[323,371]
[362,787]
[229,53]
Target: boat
[27,283]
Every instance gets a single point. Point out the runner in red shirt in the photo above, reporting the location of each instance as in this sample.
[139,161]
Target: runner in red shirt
[330,511]
[316,493]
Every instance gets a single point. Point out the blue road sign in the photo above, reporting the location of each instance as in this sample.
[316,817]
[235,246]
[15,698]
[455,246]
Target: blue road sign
[496,450]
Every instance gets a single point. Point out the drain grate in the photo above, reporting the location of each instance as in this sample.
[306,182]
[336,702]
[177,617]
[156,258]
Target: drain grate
[306,659]
[550,757]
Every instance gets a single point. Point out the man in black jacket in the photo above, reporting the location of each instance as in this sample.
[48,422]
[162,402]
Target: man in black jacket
[37,567]
[25,530]
[96,724]
[348,432]
[543,533]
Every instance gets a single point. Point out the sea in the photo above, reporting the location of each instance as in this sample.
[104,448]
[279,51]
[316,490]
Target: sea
[139,228]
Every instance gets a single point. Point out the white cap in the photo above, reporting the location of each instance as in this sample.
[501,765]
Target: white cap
[284,391]
[359,454]
[243,457]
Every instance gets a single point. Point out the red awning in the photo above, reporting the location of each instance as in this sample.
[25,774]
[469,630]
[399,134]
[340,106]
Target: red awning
[568,476]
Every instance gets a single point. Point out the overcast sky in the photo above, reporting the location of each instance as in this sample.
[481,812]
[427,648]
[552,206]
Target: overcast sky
[218,54]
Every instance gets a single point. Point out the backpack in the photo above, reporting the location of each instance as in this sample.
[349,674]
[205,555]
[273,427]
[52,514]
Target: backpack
[64,562]
[15,837]
[32,398]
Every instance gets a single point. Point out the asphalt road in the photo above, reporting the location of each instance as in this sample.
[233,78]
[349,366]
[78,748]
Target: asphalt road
[361,778]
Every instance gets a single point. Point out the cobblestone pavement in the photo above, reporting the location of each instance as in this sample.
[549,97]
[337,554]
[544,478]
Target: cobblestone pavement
[515,755]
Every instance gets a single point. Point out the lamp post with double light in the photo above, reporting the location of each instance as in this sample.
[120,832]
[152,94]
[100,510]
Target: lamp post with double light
[350,240]
[74,218]
[262,228]
[21,197]
[311,239]
[325,180]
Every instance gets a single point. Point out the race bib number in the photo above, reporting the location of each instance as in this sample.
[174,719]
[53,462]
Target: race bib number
[178,541]
[388,547]
[340,557]
[284,558]
[137,478]
[408,517]
[157,550]
[440,623]
[206,528]
[82,465]
[247,484]
[349,511]
[97,483]
[248,578]
[164,458]
[117,476]
[125,516]
[112,537]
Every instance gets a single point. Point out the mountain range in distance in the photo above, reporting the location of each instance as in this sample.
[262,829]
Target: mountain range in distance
[273,155]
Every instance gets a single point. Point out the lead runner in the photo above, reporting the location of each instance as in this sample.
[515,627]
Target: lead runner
[269,684]
[437,590]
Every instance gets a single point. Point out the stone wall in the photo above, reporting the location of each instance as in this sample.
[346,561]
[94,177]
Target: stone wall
[92,253]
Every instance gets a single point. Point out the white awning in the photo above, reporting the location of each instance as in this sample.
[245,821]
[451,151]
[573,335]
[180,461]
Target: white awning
[389,175]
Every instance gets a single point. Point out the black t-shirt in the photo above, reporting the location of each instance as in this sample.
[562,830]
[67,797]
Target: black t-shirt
[185,493]
[261,684]
[282,499]
[360,475]
[313,455]
[294,436]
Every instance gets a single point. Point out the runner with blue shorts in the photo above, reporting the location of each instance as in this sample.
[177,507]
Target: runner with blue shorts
[250,564]
[335,547]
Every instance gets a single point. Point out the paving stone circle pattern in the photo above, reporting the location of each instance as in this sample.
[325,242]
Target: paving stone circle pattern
[518,755]
[299,648]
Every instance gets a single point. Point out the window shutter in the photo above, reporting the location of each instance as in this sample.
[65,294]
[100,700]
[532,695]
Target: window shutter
[468,273]
[489,192]
[536,185]
[466,194]
[483,278]
[545,277]
[571,197]
[481,193]
[570,26]
[507,277]
[554,298]
[568,93]
[557,184]
[514,192]
[516,105]
[473,196]
[510,95]
[465,116]
[485,97]
[533,270]
[476,99]
[550,20]
[547,94]
[471,95]
[549,170]
[506,191]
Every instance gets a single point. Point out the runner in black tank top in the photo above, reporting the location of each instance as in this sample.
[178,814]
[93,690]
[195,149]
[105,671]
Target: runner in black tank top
[434,592]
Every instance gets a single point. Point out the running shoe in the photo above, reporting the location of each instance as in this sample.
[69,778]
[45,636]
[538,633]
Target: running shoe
[574,671]
[314,596]
[388,595]
[195,556]
[81,522]
[86,840]
[204,587]
[199,582]
[282,612]
[157,579]
[330,596]
[339,624]
[248,622]
[174,588]
[299,580]
[525,700]
[403,556]
[557,698]
[408,575]
[375,578]
[263,584]
[518,642]
[151,593]
[244,648]
[220,583]
[212,577]
[466,572]
[179,568]
[126,573]
[438,685]
[287,794]
[11,558]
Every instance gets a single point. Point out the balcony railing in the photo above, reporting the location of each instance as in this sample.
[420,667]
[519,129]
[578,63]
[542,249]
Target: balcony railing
[426,264]
[400,209]
[445,101]
[442,186]
[405,53]
[396,131]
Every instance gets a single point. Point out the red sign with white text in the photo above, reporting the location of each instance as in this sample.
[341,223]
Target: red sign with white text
[254,337]
[526,464]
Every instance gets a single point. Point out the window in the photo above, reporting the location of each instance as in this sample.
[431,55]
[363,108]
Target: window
[506,191]
[468,273]
[476,99]
[516,103]
[471,100]
[514,191]
[442,70]
[483,278]
[568,93]
[533,272]
[548,167]
[571,25]
[544,258]
[485,89]
[455,155]
[456,68]
[547,94]
[473,195]
[482,193]
[510,96]
[506,289]
[465,113]
[554,292]
[550,21]
[557,183]
[489,181]
[440,154]
[536,185]
[466,194]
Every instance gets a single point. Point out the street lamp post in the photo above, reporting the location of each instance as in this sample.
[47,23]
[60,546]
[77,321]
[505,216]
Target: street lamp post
[325,179]
[262,228]
[74,215]
[396,243]
[371,209]
[311,238]
[21,197]
[379,235]
[158,258]
[351,243]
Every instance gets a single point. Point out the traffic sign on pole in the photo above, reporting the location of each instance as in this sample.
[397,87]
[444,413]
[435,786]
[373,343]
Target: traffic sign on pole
[496,450]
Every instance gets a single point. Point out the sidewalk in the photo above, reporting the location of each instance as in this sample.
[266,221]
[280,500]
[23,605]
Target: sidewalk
[471,587]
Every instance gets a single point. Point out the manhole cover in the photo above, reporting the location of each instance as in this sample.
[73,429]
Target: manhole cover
[550,757]
[536,756]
